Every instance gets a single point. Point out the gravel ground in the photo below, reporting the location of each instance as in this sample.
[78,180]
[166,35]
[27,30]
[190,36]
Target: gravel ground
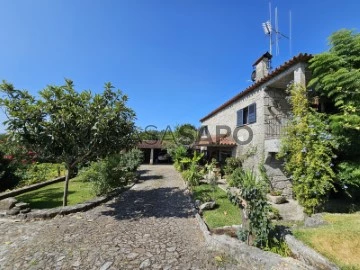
[150,226]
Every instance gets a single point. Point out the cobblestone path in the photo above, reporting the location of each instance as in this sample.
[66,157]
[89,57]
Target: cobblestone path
[150,226]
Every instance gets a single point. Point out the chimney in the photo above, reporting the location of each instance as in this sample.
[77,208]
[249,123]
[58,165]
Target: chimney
[261,67]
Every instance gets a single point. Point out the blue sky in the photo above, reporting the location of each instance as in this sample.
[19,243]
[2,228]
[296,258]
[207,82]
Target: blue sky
[177,60]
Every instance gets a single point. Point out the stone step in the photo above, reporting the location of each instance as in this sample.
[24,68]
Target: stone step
[22,205]
[24,211]
[13,211]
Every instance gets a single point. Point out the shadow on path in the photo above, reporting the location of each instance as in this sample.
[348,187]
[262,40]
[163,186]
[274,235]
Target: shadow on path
[150,177]
[151,201]
[160,203]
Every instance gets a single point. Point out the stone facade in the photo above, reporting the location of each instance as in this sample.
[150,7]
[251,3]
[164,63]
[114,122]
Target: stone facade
[272,112]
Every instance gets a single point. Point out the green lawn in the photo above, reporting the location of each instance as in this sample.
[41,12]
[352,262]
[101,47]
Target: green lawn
[225,214]
[339,240]
[52,195]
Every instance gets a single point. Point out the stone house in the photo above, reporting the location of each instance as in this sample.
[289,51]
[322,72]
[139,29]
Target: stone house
[255,118]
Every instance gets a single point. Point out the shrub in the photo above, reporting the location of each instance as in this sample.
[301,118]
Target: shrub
[231,164]
[349,178]
[177,153]
[253,201]
[112,172]
[8,179]
[192,175]
[130,160]
[235,178]
[39,172]
[194,160]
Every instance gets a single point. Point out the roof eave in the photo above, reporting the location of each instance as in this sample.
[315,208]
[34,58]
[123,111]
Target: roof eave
[295,60]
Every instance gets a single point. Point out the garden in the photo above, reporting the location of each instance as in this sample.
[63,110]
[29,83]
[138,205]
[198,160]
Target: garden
[245,203]
[96,179]
[88,139]
[222,210]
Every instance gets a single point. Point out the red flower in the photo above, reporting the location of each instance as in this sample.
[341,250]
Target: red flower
[9,157]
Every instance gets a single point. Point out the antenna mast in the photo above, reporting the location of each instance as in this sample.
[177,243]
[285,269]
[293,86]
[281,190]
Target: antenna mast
[277,50]
[270,32]
[290,33]
[267,27]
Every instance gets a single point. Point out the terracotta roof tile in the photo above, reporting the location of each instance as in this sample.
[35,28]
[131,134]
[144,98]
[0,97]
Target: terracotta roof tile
[295,60]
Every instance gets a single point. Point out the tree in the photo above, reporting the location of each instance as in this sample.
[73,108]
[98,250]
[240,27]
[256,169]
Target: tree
[185,134]
[63,125]
[336,75]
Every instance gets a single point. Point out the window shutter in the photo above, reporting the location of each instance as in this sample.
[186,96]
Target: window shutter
[239,120]
[252,113]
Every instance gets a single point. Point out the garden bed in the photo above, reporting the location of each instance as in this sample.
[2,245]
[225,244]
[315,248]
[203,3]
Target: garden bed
[224,214]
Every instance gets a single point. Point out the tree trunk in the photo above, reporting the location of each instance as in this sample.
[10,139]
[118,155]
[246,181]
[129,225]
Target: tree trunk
[66,186]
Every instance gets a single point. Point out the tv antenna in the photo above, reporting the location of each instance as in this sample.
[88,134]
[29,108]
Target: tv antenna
[274,34]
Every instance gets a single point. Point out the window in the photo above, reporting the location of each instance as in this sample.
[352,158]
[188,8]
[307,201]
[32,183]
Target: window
[246,115]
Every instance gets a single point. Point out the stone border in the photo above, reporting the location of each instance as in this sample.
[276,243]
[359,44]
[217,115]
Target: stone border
[250,257]
[81,207]
[308,255]
[16,192]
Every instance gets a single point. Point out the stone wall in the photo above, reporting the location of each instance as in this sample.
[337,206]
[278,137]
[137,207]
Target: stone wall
[275,172]
[277,112]
[271,102]
[228,117]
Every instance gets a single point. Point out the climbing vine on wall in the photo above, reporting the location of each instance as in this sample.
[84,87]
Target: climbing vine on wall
[307,149]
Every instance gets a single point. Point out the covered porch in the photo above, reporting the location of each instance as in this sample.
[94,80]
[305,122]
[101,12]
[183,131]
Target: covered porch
[151,150]
[218,147]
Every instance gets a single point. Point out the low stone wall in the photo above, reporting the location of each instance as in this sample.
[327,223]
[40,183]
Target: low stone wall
[308,255]
[38,214]
[16,192]
[251,257]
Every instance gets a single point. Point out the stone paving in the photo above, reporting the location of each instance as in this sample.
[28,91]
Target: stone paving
[150,226]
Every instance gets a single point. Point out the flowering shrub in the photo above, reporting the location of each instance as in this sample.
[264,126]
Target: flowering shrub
[8,179]
[307,148]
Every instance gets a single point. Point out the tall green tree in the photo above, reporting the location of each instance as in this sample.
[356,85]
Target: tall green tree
[64,125]
[336,75]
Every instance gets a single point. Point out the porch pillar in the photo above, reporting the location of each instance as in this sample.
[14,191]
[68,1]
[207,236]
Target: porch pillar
[152,156]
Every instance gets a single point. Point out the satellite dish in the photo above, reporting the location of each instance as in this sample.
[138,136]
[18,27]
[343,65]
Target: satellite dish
[253,76]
